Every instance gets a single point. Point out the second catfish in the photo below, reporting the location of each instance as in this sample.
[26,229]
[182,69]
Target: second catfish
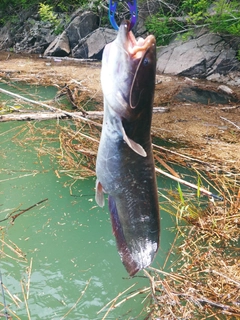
[125,166]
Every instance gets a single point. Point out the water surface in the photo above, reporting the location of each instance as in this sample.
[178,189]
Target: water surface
[76,269]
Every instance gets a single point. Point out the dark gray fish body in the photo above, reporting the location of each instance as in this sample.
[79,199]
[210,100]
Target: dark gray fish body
[125,167]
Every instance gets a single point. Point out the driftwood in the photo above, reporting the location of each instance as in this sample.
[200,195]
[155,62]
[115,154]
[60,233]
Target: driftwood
[59,59]
[24,115]
[53,109]
[43,115]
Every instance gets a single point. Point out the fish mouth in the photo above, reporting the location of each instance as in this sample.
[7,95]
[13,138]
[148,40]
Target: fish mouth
[135,48]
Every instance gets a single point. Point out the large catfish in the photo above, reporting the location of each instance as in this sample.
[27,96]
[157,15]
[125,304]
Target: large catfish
[125,165]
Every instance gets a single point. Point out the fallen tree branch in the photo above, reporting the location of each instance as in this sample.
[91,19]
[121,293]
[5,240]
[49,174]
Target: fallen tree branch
[35,116]
[21,115]
[230,122]
[42,104]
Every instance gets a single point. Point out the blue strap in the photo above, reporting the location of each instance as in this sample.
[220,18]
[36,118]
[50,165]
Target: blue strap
[132,5]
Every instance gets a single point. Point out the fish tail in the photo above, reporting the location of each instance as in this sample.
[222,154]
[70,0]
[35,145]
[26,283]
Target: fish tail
[131,266]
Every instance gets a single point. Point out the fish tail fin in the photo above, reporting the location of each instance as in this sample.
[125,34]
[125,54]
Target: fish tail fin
[125,254]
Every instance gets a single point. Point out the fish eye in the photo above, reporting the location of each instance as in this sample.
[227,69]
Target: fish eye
[145,61]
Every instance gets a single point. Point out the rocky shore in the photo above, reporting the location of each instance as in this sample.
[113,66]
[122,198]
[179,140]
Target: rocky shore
[202,55]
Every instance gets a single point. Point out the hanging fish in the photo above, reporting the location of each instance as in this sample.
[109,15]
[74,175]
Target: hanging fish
[125,167]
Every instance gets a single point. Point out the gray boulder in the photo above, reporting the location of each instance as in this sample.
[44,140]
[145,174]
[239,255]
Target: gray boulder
[80,27]
[200,57]
[59,47]
[93,45]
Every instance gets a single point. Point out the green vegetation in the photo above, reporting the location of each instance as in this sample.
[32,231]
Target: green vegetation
[219,16]
[163,27]
[10,10]
[47,14]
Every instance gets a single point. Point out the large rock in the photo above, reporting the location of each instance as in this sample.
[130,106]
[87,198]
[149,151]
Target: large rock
[59,47]
[199,57]
[81,26]
[93,45]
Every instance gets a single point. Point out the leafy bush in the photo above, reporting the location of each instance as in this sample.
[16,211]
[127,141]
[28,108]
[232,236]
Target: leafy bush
[46,13]
[221,16]
[227,17]
[162,27]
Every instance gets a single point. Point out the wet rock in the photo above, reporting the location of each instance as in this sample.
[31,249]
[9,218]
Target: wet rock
[205,96]
[59,47]
[93,45]
[200,57]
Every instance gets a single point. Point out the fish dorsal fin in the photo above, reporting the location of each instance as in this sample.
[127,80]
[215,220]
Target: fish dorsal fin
[99,196]
[136,147]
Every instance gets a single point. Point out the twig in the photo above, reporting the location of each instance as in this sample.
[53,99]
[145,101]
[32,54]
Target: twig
[230,108]
[171,275]
[222,275]
[115,299]
[7,255]
[25,210]
[131,296]
[3,295]
[12,297]
[181,155]
[11,213]
[83,292]
[19,254]
[29,278]
[153,285]
[202,299]
[25,300]
[191,185]
[171,249]
[166,166]
[230,122]
[19,177]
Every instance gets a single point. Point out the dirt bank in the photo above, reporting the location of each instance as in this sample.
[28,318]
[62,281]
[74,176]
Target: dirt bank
[207,132]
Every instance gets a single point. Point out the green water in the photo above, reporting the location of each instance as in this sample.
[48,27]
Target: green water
[34,92]
[76,269]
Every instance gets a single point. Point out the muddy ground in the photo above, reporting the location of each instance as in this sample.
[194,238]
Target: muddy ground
[210,132]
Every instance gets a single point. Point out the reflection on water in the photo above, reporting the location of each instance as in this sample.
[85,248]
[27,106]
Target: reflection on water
[76,269]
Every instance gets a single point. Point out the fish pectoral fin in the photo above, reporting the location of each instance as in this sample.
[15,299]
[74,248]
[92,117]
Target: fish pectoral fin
[99,196]
[136,147]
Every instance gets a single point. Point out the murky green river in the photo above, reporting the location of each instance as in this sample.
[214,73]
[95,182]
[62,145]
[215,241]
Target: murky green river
[65,265]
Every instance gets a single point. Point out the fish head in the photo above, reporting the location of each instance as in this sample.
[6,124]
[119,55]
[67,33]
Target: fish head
[128,73]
